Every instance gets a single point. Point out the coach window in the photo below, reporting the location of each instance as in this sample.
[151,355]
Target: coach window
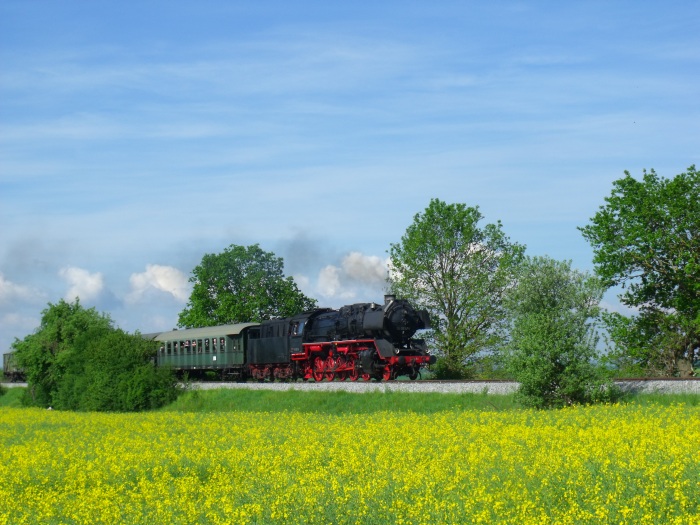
[200,346]
[222,345]
[206,346]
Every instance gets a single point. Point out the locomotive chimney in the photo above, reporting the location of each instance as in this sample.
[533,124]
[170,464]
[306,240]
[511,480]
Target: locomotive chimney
[389,298]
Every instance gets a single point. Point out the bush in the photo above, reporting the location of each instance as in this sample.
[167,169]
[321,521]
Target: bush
[445,369]
[115,372]
[552,351]
[78,361]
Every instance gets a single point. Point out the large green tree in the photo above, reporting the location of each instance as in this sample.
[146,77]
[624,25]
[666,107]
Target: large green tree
[77,360]
[44,355]
[552,347]
[241,284]
[646,239]
[458,271]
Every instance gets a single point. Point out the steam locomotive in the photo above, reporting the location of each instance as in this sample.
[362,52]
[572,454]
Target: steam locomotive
[364,340]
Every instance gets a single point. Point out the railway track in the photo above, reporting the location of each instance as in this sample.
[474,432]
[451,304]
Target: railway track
[633,385]
[641,385]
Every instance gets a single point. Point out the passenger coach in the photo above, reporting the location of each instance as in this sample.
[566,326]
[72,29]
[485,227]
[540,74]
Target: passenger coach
[197,350]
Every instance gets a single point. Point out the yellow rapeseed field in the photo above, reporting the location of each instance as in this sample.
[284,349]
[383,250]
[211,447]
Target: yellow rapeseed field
[604,464]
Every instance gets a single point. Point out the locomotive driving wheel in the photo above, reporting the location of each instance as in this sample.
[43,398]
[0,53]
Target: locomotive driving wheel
[388,374]
[318,370]
[341,366]
[331,365]
[353,373]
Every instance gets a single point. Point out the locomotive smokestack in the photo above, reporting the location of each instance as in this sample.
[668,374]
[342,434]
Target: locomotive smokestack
[389,298]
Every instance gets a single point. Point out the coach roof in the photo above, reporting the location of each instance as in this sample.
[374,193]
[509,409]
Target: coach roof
[200,333]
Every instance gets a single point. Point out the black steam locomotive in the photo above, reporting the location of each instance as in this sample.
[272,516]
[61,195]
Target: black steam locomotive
[365,340]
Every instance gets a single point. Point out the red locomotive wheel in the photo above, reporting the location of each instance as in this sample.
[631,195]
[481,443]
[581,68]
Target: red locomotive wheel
[319,366]
[341,368]
[330,368]
[388,373]
[353,373]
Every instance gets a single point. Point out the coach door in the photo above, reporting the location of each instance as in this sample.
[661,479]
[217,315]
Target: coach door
[296,335]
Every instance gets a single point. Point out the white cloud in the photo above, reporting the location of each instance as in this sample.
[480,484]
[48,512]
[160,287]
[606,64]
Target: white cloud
[15,324]
[368,269]
[356,272]
[83,284]
[11,292]
[162,278]
[329,285]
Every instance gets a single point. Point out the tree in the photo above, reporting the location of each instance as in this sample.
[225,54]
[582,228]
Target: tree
[552,347]
[45,353]
[459,272]
[649,343]
[646,239]
[242,284]
[115,372]
[76,360]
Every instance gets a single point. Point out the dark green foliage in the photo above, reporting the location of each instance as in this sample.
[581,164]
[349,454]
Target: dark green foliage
[552,348]
[652,343]
[45,354]
[457,271]
[242,284]
[646,239]
[76,360]
[115,372]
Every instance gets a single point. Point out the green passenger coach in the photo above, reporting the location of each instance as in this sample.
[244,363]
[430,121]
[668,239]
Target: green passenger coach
[197,350]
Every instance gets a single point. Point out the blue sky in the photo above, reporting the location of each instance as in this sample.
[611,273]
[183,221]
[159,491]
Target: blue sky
[137,136]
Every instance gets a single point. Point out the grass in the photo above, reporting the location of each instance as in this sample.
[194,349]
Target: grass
[242,400]
[691,400]
[339,402]
[11,397]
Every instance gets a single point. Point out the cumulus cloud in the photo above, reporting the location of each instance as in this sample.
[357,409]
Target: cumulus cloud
[161,278]
[368,269]
[18,323]
[12,292]
[83,284]
[356,272]
[329,284]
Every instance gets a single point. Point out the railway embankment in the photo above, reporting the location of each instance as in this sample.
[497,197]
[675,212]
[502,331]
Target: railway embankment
[634,386]
[641,385]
